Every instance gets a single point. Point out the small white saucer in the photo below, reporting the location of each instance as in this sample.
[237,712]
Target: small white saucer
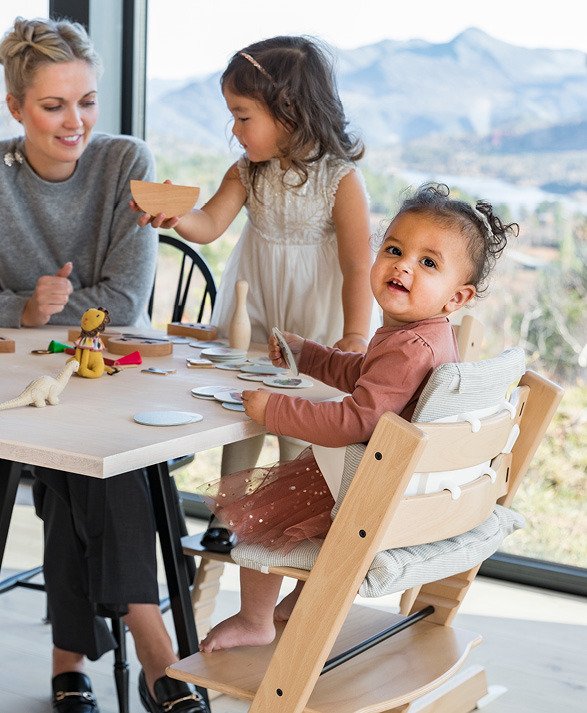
[198,344]
[267,369]
[288,382]
[251,377]
[286,352]
[232,407]
[207,392]
[231,366]
[229,396]
[167,418]
[223,353]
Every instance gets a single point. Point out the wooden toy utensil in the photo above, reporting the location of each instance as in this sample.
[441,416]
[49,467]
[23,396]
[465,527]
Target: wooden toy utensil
[205,332]
[239,329]
[155,198]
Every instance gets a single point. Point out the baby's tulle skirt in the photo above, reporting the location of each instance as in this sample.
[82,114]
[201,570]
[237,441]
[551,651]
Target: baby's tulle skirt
[277,506]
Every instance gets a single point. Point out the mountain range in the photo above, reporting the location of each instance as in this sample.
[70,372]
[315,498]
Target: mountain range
[474,87]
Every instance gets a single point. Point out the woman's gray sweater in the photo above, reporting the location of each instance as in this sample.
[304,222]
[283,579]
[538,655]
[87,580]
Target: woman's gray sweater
[85,219]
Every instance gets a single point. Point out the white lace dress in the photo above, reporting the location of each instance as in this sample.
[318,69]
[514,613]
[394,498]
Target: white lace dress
[288,254]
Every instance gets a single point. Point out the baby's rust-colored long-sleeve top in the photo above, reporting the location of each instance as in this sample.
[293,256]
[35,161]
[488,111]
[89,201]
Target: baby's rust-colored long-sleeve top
[388,377]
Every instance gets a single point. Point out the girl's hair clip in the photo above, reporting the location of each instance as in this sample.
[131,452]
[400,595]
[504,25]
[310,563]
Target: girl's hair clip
[256,64]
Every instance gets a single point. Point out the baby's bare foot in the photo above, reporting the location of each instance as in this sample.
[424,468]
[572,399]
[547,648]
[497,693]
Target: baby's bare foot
[237,631]
[285,607]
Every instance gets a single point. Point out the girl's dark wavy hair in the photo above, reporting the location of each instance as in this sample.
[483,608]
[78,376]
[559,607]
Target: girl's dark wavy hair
[301,93]
[485,233]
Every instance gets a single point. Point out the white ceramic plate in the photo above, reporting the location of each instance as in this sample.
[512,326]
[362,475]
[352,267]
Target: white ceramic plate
[229,396]
[198,344]
[287,382]
[233,407]
[223,353]
[231,366]
[166,418]
[207,392]
[286,352]
[251,377]
[267,369]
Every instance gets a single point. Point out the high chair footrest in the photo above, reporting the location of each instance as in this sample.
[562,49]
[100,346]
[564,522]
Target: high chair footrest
[391,674]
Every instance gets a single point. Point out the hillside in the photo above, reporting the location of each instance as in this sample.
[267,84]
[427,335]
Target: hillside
[395,92]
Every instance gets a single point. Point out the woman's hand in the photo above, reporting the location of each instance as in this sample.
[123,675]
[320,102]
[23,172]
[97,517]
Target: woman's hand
[295,343]
[352,343]
[50,297]
[157,221]
[255,403]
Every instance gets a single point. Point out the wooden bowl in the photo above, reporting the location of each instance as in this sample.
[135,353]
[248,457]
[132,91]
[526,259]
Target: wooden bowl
[155,198]
[7,346]
[147,348]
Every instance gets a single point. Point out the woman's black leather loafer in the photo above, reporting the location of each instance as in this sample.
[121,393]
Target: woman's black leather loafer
[72,693]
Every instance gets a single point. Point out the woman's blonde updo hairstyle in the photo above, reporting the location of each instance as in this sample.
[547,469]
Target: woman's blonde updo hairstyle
[31,43]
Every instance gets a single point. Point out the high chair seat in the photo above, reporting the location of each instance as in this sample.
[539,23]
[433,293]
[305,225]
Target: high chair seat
[399,568]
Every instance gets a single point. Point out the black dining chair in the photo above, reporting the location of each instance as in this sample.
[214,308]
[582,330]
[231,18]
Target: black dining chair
[190,265]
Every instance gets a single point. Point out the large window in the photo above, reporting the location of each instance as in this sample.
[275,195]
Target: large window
[9,10]
[464,97]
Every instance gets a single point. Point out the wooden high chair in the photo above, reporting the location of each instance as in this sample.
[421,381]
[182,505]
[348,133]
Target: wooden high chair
[469,334]
[332,656]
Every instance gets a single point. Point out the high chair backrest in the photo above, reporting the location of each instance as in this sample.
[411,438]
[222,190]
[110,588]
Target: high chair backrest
[469,335]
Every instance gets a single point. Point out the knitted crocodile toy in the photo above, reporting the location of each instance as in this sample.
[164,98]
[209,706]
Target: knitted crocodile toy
[43,390]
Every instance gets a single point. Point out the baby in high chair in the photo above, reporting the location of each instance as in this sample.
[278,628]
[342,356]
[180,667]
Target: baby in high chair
[435,257]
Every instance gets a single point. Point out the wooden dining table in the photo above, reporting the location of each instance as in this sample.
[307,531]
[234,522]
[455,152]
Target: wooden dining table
[92,432]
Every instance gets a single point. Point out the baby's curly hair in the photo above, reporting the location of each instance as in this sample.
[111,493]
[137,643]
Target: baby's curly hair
[485,233]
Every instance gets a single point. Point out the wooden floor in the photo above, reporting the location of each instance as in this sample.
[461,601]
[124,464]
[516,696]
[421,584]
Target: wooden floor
[534,640]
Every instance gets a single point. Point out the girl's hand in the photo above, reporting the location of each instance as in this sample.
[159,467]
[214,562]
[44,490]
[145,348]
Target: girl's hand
[255,403]
[295,343]
[157,221]
[352,343]
[50,297]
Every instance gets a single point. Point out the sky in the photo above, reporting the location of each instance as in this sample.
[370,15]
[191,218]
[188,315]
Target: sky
[203,35]
[195,37]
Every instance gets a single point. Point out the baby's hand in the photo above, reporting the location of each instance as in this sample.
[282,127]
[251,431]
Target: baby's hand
[157,221]
[295,343]
[255,403]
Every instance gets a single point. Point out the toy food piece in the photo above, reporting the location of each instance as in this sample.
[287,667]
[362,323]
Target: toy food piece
[7,346]
[132,359]
[75,333]
[205,332]
[147,347]
[58,347]
[155,198]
